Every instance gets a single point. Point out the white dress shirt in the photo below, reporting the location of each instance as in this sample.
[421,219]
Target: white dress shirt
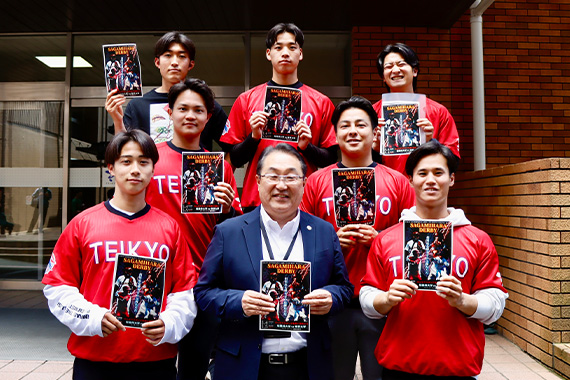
[280,239]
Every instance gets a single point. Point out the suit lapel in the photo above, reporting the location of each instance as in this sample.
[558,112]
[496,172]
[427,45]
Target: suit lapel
[252,236]
[309,237]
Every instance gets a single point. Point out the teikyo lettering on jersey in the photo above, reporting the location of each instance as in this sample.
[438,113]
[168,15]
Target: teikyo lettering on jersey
[383,205]
[168,183]
[459,265]
[164,193]
[107,250]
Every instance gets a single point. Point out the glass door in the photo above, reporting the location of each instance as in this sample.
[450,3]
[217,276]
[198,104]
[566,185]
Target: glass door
[31,179]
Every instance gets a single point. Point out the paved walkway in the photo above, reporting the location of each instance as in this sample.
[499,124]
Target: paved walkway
[33,346]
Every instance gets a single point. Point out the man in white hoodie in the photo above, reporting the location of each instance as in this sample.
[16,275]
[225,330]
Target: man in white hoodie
[433,334]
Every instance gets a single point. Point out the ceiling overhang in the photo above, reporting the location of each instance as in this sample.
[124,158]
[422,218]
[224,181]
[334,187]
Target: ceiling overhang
[81,16]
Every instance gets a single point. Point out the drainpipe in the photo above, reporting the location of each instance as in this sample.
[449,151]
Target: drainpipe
[477,9]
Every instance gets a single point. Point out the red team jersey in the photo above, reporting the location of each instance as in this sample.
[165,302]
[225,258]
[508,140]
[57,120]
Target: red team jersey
[444,130]
[84,258]
[393,194]
[316,111]
[424,335]
[164,192]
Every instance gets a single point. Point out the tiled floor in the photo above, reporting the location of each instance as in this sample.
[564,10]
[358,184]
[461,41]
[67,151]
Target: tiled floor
[25,345]
[35,370]
[505,361]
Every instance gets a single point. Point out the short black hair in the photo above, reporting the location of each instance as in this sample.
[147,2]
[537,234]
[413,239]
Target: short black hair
[196,85]
[284,27]
[431,147]
[113,151]
[355,102]
[406,52]
[169,38]
[283,148]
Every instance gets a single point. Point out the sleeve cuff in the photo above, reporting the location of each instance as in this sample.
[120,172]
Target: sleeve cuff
[96,327]
[366,297]
[179,315]
[490,305]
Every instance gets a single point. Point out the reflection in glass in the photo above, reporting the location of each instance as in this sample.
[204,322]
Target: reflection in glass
[19,63]
[89,137]
[31,134]
[31,177]
[35,226]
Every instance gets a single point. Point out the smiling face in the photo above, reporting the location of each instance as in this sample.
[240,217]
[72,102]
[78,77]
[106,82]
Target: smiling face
[174,64]
[398,75]
[132,170]
[285,54]
[354,133]
[189,117]
[281,200]
[431,182]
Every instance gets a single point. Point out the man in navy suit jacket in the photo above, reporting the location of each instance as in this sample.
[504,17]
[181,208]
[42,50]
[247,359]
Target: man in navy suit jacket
[229,281]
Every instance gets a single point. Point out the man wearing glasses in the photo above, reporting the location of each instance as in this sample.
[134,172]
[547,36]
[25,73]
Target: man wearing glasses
[229,281]
[399,66]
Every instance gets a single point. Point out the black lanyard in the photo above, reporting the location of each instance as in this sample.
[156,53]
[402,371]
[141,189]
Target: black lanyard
[268,246]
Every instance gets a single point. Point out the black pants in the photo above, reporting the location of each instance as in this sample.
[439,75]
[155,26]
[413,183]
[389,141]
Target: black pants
[88,370]
[195,349]
[390,374]
[297,370]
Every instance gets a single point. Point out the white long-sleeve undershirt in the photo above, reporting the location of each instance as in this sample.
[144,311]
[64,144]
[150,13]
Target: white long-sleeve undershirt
[84,318]
[490,303]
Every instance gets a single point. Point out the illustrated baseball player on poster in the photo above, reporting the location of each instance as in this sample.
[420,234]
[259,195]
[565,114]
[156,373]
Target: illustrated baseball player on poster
[122,69]
[284,108]
[138,289]
[354,196]
[401,133]
[201,172]
[427,252]
[287,282]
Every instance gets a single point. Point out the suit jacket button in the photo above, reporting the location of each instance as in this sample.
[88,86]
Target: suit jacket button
[259,346]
